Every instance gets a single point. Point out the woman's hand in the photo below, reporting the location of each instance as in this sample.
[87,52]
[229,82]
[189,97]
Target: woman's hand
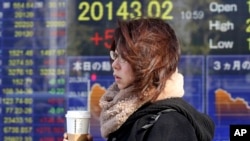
[65,137]
[88,137]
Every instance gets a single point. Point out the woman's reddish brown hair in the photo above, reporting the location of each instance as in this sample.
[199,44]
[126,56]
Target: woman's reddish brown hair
[151,47]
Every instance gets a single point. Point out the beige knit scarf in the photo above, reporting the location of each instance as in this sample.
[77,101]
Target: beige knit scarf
[117,105]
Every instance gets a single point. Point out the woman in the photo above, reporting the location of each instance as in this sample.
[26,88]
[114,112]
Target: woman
[145,102]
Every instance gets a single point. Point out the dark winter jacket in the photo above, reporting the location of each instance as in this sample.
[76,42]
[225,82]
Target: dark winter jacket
[181,122]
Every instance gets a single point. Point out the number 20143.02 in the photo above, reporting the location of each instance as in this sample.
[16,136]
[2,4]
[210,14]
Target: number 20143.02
[95,11]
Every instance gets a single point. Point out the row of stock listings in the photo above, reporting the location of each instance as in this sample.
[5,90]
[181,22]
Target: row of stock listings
[33,54]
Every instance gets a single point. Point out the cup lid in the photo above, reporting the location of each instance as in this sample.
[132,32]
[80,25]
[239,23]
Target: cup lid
[78,114]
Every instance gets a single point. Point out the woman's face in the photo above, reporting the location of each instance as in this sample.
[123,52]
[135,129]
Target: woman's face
[123,73]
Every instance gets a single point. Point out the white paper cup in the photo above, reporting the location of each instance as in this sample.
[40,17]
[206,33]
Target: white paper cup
[77,122]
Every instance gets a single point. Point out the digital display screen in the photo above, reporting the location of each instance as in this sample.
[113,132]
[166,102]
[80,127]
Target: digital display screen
[54,58]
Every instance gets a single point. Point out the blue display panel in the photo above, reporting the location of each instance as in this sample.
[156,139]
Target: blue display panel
[228,87]
[33,70]
[193,69]
[93,75]
[83,73]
